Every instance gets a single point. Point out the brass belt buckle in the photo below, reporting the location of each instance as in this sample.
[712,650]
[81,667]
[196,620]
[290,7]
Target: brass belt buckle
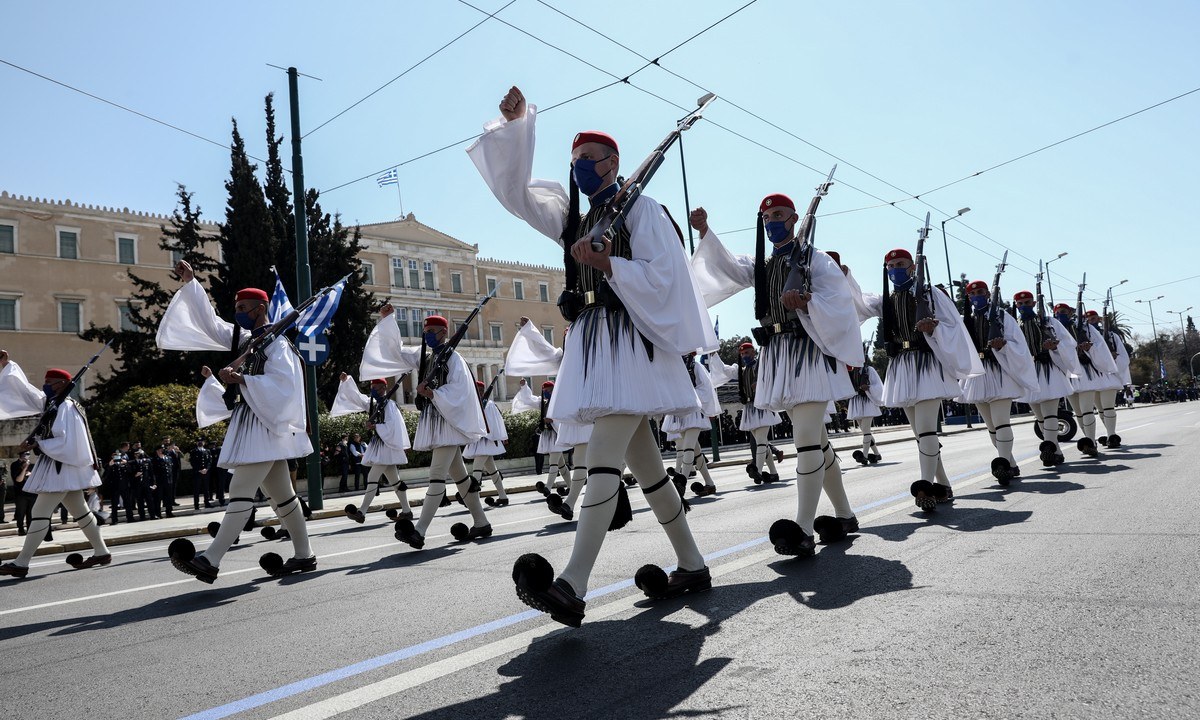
[589,297]
[776,329]
[905,345]
[981,355]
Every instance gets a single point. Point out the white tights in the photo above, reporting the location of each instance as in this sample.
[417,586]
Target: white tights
[762,450]
[1106,404]
[445,467]
[996,415]
[1046,413]
[373,485]
[39,522]
[1084,405]
[923,419]
[273,477]
[816,466]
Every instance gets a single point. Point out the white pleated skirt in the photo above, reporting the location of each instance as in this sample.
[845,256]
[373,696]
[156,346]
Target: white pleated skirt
[1092,380]
[379,453]
[914,377]
[483,447]
[1053,384]
[434,431]
[47,477]
[994,384]
[249,441]
[571,434]
[692,421]
[606,370]
[548,441]
[860,407]
[754,418]
[793,370]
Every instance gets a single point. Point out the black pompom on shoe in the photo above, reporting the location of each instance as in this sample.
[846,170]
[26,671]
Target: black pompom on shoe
[1002,471]
[407,533]
[833,529]
[789,539]
[923,492]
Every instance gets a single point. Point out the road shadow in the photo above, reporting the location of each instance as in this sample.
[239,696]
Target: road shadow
[645,666]
[169,607]
[1031,486]
[402,558]
[955,518]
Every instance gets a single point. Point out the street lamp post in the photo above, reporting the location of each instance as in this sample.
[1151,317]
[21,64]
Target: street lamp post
[946,246]
[1162,371]
[1183,331]
[1049,283]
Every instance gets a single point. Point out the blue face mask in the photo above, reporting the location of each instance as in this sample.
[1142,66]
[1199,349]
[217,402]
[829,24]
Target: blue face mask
[545,394]
[748,361]
[244,320]
[49,390]
[586,177]
[979,302]
[1027,313]
[377,393]
[777,230]
[900,278]
[1063,318]
[431,339]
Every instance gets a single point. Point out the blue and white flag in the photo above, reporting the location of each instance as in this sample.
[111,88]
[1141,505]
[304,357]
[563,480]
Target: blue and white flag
[316,317]
[280,305]
[391,177]
[717,327]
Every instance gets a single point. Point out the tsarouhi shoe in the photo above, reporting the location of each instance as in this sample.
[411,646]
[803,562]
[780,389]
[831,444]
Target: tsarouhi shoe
[13,570]
[393,514]
[77,561]
[355,514]
[874,458]
[790,539]
[658,585]
[832,529]
[275,566]
[754,473]
[1114,441]
[859,457]
[1047,453]
[557,506]
[495,502]
[943,493]
[462,533]
[770,477]
[923,492]
[407,533]
[702,490]
[536,588]
[778,454]
[541,487]
[1087,447]
[183,556]
[1102,440]
[1001,470]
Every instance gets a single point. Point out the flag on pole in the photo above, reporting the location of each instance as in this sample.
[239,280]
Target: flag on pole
[391,177]
[279,305]
[316,317]
[717,327]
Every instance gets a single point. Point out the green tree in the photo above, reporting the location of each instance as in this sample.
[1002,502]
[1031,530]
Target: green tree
[141,362]
[279,205]
[246,236]
[728,352]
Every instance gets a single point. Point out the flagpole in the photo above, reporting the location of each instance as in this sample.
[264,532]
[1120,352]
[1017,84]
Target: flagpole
[400,195]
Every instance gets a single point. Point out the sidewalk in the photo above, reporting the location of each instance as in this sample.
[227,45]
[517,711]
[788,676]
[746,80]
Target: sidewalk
[187,522]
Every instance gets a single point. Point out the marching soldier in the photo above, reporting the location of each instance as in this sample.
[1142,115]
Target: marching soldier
[386,448]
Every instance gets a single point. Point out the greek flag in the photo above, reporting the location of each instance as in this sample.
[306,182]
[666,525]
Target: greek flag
[1162,369]
[316,317]
[717,327]
[391,177]
[280,305]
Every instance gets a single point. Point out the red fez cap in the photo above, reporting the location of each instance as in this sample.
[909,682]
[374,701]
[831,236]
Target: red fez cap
[250,294]
[1022,295]
[597,137]
[1091,313]
[897,254]
[436,321]
[548,384]
[835,255]
[976,285]
[479,385]
[57,374]
[746,346]
[1061,306]
[379,381]
[776,200]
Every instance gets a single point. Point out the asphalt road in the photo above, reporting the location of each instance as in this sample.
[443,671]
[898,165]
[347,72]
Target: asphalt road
[1068,595]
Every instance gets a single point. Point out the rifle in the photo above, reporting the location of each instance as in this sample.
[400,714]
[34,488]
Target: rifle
[259,344]
[50,412]
[1080,324]
[617,209]
[431,372]
[995,312]
[1108,336]
[487,394]
[1044,322]
[921,288]
[800,263]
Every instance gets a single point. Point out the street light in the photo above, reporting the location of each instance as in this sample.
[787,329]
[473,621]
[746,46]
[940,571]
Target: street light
[1050,284]
[946,247]
[1162,371]
[1182,330]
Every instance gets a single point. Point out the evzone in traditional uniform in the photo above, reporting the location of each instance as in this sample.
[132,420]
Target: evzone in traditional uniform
[863,408]
[532,354]
[688,427]
[264,403]
[928,356]
[1106,394]
[68,464]
[634,309]
[550,446]
[1008,374]
[1054,361]
[807,342]
[755,420]
[386,448]
[1096,365]
[450,418]
[483,452]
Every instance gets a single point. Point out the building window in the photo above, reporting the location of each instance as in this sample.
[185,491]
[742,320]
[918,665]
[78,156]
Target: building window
[491,285]
[518,290]
[402,321]
[418,322]
[497,332]
[429,283]
[70,316]
[544,292]
[127,249]
[8,314]
[8,238]
[414,277]
[368,270]
[456,282]
[397,272]
[177,256]
[548,333]
[68,244]
[126,318]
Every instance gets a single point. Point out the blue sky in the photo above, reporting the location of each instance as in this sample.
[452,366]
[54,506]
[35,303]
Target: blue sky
[917,94]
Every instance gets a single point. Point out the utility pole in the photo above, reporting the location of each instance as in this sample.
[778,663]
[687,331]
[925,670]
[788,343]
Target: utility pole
[316,478]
